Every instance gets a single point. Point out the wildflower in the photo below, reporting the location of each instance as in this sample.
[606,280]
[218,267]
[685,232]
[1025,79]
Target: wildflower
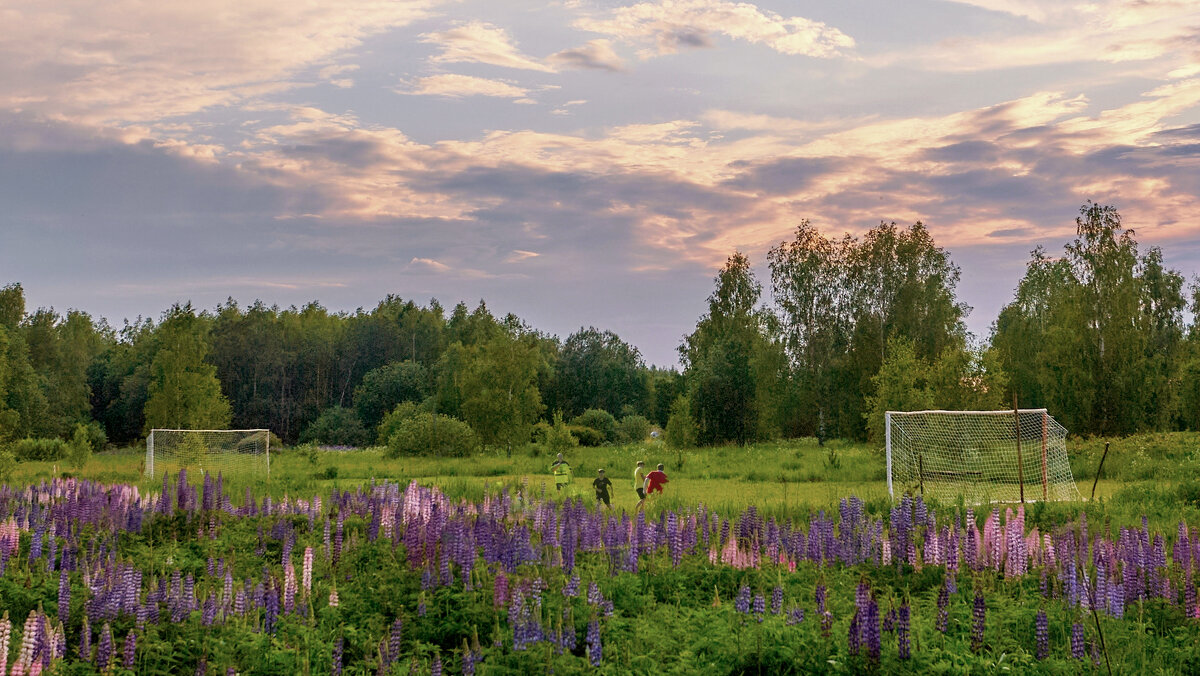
[760,607]
[943,614]
[902,630]
[104,650]
[776,600]
[130,649]
[1077,641]
[979,614]
[1041,631]
[594,649]
[795,616]
[338,646]
[742,603]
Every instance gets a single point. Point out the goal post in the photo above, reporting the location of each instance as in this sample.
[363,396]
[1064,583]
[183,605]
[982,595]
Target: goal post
[244,452]
[982,456]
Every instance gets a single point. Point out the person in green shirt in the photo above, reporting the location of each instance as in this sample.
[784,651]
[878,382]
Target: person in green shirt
[562,473]
[602,483]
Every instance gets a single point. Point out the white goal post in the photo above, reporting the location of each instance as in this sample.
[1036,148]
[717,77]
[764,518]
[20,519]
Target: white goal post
[982,456]
[245,452]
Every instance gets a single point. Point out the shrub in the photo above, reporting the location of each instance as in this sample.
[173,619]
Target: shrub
[432,434]
[558,438]
[633,429]
[95,435]
[599,420]
[586,435]
[79,449]
[681,427]
[8,465]
[39,449]
[392,421]
[336,426]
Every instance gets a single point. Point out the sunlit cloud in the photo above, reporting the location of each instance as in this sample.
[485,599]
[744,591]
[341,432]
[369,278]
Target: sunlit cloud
[127,61]
[480,42]
[457,86]
[693,23]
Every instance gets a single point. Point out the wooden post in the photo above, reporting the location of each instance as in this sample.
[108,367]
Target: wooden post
[921,472]
[1045,439]
[1098,470]
[1020,467]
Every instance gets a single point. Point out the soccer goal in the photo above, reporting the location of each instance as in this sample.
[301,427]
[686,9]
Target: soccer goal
[984,456]
[244,452]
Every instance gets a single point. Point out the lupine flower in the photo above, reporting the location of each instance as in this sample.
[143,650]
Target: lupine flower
[760,607]
[130,649]
[64,596]
[902,631]
[1041,631]
[776,600]
[594,649]
[943,614]
[795,616]
[104,649]
[979,614]
[85,640]
[435,669]
[333,598]
[870,630]
[5,637]
[337,655]
[742,603]
[1077,650]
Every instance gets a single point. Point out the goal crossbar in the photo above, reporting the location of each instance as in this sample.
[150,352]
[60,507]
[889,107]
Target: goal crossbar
[982,456]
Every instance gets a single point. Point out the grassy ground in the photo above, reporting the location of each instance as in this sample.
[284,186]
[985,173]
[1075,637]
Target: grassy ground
[1151,474]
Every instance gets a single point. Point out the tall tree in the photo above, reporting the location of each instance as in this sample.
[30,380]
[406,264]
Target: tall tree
[596,369]
[500,397]
[184,391]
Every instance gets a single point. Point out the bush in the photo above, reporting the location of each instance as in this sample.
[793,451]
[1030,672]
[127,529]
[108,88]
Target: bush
[336,426]
[432,434]
[681,429]
[39,449]
[557,437]
[8,466]
[392,421]
[599,420]
[79,449]
[632,429]
[586,435]
[95,435]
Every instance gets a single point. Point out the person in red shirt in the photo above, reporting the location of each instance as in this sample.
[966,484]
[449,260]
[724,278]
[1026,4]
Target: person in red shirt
[655,480]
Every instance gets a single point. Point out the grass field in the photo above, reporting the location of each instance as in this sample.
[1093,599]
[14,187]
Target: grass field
[1155,475]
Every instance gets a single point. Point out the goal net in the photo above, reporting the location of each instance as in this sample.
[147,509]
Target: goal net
[240,452]
[983,456]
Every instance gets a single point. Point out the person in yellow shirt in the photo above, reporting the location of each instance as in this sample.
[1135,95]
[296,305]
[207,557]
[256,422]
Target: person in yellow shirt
[562,473]
[639,482]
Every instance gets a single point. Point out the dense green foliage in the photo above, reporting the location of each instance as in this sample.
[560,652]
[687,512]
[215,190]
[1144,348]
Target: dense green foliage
[432,434]
[853,326]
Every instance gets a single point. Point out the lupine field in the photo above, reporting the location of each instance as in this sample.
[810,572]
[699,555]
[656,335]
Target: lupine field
[396,577]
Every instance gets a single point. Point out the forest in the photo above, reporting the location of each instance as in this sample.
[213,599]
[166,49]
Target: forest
[1101,333]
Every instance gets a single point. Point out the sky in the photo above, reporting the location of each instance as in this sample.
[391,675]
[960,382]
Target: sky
[576,162]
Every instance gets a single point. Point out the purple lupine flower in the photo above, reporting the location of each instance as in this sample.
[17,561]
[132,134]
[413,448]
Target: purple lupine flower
[571,588]
[435,669]
[104,649]
[594,649]
[776,600]
[64,596]
[130,649]
[870,630]
[889,620]
[820,598]
[1077,650]
[902,631]
[854,636]
[742,603]
[943,614]
[795,616]
[85,640]
[1041,631]
[338,645]
[980,615]
[760,607]
[394,640]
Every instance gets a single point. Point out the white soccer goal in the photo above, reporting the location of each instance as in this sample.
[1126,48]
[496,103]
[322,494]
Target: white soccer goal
[244,452]
[983,456]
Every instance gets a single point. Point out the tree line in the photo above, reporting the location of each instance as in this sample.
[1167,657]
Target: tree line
[851,327]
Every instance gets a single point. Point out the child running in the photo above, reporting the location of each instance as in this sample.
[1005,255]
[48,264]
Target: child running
[639,482]
[602,483]
[656,479]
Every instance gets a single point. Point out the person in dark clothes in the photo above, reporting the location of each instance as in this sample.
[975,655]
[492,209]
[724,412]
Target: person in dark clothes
[602,483]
